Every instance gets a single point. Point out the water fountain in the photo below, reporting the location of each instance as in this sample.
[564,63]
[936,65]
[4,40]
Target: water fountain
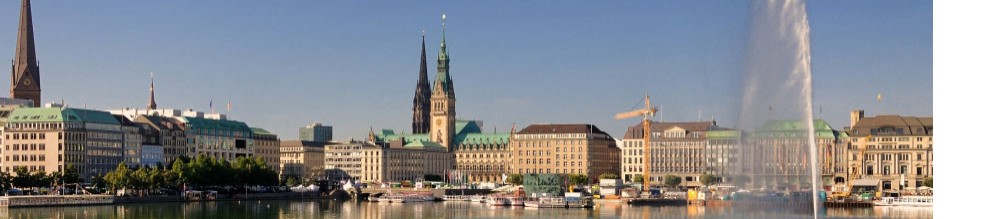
[778,85]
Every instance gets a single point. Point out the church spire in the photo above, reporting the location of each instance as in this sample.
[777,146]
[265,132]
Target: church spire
[152,96]
[24,69]
[422,95]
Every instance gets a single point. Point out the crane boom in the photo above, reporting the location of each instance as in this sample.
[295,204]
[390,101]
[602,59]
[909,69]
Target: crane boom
[646,113]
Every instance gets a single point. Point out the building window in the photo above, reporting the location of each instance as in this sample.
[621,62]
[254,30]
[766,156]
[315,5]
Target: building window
[920,171]
[886,170]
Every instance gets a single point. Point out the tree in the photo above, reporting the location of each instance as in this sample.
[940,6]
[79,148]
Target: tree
[22,178]
[637,178]
[515,179]
[292,180]
[69,175]
[609,176]
[578,179]
[929,182]
[672,180]
[708,179]
[5,181]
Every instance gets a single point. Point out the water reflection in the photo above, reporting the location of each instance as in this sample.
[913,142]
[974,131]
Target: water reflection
[336,209]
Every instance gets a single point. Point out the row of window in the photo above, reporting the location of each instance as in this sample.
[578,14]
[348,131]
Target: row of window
[25,157]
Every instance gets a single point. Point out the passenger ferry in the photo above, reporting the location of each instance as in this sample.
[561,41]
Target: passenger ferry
[547,202]
[496,200]
[477,198]
[404,198]
[515,200]
[915,201]
[456,198]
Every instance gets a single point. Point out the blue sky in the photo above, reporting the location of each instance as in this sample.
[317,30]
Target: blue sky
[354,64]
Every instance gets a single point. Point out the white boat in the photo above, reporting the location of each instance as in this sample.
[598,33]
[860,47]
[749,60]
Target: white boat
[477,198]
[406,198]
[496,200]
[915,201]
[547,202]
[515,200]
[456,198]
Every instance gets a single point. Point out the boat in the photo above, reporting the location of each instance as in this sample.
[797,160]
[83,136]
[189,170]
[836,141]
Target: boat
[515,200]
[496,200]
[404,198]
[456,198]
[915,201]
[547,202]
[477,199]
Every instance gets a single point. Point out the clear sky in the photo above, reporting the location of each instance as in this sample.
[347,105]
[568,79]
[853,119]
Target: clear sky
[354,64]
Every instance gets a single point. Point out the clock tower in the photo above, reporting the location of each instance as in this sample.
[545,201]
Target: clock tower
[442,128]
[24,83]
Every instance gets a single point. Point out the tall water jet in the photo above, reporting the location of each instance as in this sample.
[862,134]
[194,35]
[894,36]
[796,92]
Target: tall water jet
[777,96]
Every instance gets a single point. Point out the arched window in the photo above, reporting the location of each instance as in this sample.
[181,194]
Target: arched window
[886,170]
[902,169]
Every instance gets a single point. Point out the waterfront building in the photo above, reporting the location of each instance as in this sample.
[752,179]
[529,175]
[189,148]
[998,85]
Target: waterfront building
[777,153]
[398,162]
[343,160]
[564,149]
[219,138]
[890,149]
[211,134]
[479,156]
[162,135]
[131,141]
[152,155]
[48,139]
[25,83]
[722,153]
[301,158]
[677,148]
[316,132]
[267,146]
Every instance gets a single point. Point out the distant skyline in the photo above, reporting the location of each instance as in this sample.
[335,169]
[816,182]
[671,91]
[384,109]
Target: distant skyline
[354,65]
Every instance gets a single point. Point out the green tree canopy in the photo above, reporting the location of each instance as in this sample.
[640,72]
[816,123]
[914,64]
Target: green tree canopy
[515,179]
[672,180]
[637,178]
[708,179]
[609,176]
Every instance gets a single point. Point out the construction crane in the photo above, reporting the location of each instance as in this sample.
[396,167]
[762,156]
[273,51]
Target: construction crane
[647,113]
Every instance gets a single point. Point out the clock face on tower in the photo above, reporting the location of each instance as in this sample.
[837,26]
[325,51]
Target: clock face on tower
[27,82]
[437,122]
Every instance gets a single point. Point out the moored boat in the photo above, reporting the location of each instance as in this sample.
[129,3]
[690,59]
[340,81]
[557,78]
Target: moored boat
[496,200]
[914,201]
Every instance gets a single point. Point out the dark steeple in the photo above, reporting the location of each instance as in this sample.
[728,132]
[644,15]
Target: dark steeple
[152,96]
[422,96]
[24,69]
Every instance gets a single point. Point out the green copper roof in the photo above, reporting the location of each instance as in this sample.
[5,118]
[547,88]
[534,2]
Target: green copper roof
[214,124]
[723,134]
[260,131]
[792,129]
[61,115]
[422,143]
[467,133]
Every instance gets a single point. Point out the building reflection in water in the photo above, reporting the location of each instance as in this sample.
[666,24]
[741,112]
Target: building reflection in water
[350,209]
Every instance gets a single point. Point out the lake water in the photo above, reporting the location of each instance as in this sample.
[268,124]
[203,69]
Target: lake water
[350,209]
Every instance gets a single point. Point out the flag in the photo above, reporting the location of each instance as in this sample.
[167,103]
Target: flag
[229,106]
[879,98]
[210,105]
